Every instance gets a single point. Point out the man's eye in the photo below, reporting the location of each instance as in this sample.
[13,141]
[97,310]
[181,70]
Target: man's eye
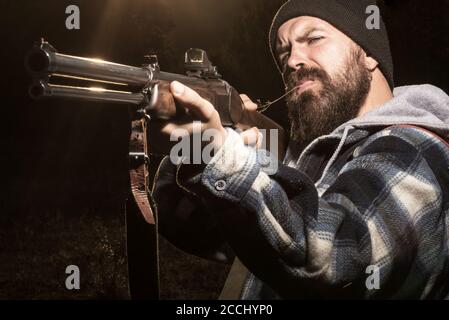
[283,57]
[314,39]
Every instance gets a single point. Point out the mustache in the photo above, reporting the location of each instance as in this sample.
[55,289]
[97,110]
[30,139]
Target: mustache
[294,78]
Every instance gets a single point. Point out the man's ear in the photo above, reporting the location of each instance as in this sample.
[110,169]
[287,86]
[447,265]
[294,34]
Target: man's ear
[371,63]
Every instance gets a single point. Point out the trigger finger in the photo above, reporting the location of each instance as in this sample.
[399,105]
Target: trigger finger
[192,101]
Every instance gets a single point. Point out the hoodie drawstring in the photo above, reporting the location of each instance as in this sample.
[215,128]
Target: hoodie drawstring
[335,155]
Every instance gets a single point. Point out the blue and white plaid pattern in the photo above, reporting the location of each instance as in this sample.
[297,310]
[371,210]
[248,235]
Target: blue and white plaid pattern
[378,196]
[387,206]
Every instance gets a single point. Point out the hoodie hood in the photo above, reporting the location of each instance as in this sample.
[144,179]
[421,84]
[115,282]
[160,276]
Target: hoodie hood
[422,105]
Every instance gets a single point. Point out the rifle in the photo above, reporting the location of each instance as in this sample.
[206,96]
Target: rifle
[44,63]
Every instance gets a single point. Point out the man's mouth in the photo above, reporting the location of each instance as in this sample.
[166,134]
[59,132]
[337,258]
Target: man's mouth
[305,84]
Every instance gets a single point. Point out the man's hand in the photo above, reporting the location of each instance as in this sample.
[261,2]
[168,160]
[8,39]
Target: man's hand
[252,121]
[197,109]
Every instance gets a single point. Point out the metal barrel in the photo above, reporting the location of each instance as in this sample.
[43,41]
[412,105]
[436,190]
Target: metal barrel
[43,60]
[43,89]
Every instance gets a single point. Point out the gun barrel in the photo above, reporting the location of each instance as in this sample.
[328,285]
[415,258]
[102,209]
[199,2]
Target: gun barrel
[43,60]
[43,89]
[47,62]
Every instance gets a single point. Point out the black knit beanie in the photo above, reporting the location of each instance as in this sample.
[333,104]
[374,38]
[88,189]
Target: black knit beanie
[348,16]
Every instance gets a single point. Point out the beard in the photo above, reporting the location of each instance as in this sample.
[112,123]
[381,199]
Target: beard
[339,100]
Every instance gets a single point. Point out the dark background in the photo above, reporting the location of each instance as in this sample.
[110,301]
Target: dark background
[64,164]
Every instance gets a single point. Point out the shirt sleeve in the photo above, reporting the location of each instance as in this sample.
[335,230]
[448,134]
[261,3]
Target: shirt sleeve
[184,220]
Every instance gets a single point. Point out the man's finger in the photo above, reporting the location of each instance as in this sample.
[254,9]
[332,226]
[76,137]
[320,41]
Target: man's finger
[252,137]
[191,100]
[248,103]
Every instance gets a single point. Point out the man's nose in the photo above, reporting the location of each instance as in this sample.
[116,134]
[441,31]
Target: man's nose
[298,58]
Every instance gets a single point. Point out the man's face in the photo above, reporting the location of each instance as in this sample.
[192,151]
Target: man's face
[328,73]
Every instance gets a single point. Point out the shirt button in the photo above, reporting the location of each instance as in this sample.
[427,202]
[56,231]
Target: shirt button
[220,185]
[264,160]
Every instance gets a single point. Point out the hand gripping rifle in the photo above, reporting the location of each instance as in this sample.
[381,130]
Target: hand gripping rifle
[43,62]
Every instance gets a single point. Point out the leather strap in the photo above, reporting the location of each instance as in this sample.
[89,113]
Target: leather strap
[138,189]
[138,173]
[142,234]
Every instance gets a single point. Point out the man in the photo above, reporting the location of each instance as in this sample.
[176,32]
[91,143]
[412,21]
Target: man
[359,206]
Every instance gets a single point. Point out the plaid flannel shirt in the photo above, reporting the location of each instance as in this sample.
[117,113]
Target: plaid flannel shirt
[318,227]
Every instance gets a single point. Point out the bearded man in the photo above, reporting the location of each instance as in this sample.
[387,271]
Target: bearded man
[359,205]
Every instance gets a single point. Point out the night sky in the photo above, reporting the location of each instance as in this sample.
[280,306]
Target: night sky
[64,164]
